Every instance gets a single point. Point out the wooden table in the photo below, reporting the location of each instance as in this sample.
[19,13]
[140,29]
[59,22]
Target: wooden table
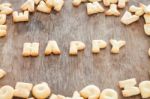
[65,73]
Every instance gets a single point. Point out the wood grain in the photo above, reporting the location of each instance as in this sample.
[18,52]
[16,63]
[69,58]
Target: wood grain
[65,73]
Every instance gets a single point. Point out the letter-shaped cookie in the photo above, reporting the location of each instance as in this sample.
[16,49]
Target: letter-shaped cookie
[94,7]
[109,94]
[116,45]
[2,19]
[97,45]
[41,91]
[42,7]
[113,10]
[129,87]
[76,46]
[52,48]
[3,30]
[145,89]
[139,11]
[56,4]
[20,17]
[128,18]
[90,92]
[5,8]
[30,49]
[28,5]
[22,90]
[6,92]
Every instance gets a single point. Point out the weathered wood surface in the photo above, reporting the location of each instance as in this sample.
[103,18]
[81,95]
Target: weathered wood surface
[64,73]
